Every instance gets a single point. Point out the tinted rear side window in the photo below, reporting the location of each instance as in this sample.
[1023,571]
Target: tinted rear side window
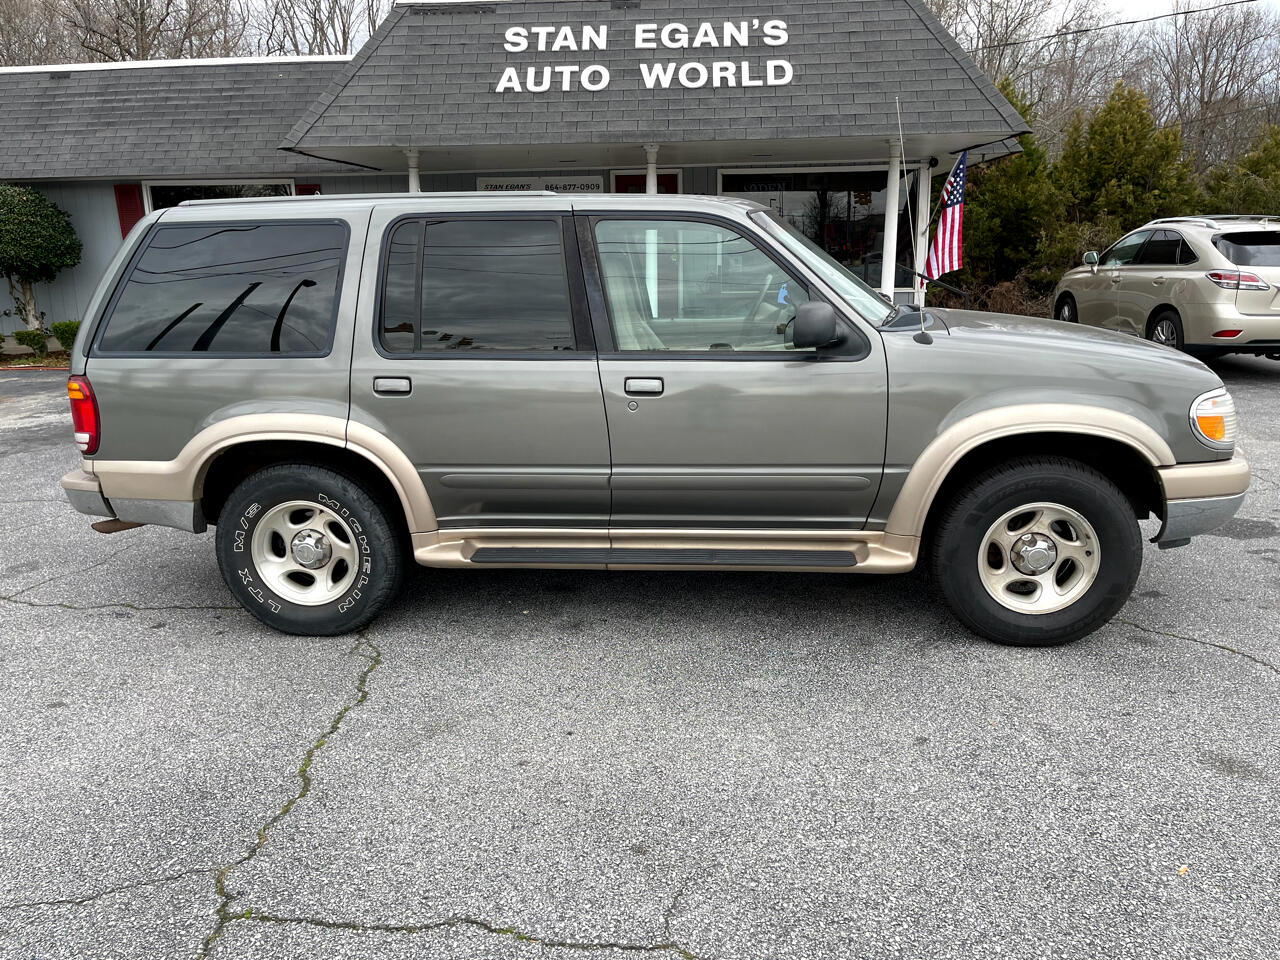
[1257,249]
[476,285]
[239,289]
[1161,249]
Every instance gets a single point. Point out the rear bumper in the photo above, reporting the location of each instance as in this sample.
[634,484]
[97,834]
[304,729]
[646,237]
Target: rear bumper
[1259,333]
[1200,497]
[84,491]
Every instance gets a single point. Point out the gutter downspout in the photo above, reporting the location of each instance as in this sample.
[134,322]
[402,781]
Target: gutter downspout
[415,184]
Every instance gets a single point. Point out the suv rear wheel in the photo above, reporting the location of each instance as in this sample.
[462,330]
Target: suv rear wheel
[1166,328]
[308,550]
[1037,552]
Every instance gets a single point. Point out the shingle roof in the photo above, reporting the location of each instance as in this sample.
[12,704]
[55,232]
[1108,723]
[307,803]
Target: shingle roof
[428,77]
[189,118]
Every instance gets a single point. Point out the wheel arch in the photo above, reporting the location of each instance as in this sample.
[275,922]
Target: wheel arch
[1155,312]
[224,452]
[1065,295]
[1119,446]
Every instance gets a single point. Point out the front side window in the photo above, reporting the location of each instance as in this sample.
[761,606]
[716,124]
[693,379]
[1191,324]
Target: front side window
[475,285]
[856,293]
[233,289]
[681,285]
[1123,252]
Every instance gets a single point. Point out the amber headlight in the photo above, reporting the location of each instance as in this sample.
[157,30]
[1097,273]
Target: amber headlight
[1213,419]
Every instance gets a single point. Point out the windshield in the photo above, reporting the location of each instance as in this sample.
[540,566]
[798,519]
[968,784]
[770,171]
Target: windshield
[853,291]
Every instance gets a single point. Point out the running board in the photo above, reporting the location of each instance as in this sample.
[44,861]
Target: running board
[671,557]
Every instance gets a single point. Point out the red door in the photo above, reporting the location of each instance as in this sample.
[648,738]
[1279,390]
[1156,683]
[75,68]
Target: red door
[634,183]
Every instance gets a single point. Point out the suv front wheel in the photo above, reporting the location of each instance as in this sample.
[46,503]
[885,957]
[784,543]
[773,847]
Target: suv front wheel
[1037,552]
[308,550]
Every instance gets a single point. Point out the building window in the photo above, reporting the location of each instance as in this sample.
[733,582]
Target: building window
[475,285]
[231,289]
[161,194]
[842,210]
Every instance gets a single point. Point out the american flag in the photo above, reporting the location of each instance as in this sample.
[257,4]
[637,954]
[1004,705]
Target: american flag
[945,254]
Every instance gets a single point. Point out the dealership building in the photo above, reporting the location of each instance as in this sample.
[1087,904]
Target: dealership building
[837,114]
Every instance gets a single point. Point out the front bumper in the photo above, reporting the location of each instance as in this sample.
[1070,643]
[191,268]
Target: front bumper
[1200,497]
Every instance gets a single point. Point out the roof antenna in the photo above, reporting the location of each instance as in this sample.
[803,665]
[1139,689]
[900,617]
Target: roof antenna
[923,336]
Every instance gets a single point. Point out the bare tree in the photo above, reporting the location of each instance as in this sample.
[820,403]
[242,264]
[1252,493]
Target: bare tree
[316,27]
[156,29]
[1216,77]
[33,33]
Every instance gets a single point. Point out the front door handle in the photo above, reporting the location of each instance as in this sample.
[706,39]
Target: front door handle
[392,386]
[1115,279]
[643,386]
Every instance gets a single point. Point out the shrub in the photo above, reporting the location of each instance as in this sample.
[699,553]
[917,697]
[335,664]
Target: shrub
[36,340]
[65,333]
[37,241]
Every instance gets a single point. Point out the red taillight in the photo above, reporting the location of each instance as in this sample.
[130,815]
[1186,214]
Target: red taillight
[1227,334]
[84,414]
[1237,280]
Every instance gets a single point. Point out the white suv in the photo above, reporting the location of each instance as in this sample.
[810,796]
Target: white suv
[1209,285]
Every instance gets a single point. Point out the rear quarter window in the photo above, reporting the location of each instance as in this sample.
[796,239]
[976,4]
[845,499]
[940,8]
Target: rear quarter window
[1259,248]
[231,289]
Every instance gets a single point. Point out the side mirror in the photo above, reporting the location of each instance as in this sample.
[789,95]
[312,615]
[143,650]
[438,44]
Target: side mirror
[815,326]
[1091,259]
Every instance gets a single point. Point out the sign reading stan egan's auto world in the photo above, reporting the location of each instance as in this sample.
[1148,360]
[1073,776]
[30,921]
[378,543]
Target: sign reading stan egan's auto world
[654,74]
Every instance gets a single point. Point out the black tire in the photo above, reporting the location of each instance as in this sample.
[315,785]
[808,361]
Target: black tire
[1065,309]
[375,579]
[1167,320]
[965,521]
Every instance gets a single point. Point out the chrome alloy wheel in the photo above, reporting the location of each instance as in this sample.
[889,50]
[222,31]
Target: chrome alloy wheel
[1064,311]
[1039,558]
[306,553]
[1165,332]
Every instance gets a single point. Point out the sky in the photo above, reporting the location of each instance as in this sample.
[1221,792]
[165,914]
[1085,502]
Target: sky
[1137,9]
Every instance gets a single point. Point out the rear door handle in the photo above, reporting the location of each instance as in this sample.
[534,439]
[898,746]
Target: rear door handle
[643,386]
[392,386]
[1158,280]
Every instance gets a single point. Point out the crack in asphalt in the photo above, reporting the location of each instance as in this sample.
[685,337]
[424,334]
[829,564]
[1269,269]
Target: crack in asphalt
[227,914]
[1260,661]
[76,572]
[522,936]
[115,606]
[226,897]
[109,891]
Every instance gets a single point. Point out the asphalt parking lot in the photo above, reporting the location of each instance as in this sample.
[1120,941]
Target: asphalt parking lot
[554,764]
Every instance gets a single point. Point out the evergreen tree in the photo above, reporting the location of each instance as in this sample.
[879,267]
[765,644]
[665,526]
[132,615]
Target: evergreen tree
[1251,184]
[1119,170]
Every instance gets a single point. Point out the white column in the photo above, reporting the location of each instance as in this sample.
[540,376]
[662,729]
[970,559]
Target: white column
[923,210]
[415,185]
[651,236]
[650,168]
[890,222]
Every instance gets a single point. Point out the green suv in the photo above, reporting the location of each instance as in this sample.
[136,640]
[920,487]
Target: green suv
[342,385]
